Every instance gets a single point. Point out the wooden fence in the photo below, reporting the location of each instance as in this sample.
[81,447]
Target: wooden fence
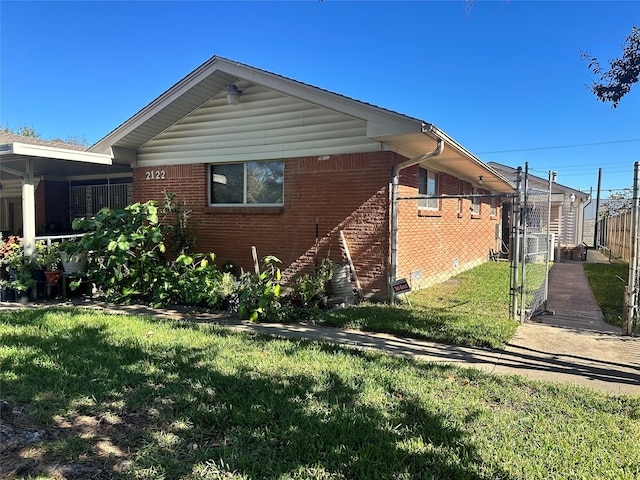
[614,234]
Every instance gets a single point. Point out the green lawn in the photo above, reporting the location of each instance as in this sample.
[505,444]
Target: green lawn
[469,309]
[607,283]
[189,401]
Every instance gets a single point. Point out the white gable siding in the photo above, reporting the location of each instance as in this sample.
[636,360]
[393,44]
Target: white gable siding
[265,125]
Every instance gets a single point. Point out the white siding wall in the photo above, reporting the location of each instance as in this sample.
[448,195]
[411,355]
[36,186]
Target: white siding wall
[265,125]
[570,224]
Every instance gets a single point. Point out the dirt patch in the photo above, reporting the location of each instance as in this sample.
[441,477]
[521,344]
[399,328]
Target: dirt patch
[23,443]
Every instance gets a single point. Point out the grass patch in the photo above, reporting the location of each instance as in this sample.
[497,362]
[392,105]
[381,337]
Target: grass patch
[608,288]
[469,309]
[188,401]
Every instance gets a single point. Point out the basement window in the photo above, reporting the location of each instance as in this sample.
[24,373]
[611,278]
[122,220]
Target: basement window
[247,183]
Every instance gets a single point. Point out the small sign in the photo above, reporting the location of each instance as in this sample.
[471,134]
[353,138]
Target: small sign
[401,286]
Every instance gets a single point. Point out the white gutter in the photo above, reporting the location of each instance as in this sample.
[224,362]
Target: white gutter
[395,180]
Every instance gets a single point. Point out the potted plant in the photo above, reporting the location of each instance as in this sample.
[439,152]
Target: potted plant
[6,249]
[73,256]
[50,261]
[20,279]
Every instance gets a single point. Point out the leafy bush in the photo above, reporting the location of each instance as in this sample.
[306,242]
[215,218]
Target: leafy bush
[47,257]
[126,258]
[194,280]
[125,248]
[127,261]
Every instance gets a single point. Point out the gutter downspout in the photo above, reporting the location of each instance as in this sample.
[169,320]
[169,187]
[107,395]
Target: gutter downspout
[395,180]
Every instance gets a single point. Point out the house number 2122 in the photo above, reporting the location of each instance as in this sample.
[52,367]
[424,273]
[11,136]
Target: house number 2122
[156,175]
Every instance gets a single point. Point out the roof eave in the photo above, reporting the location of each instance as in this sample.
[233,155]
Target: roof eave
[41,151]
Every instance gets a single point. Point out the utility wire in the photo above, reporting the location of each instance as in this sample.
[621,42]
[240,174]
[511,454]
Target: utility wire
[560,146]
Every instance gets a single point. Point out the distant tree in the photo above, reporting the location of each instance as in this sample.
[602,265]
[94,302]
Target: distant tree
[27,131]
[616,82]
[72,140]
[617,202]
[24,131]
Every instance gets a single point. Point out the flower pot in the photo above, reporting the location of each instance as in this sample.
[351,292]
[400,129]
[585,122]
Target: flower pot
[76,263]
[40,278]
[53,277]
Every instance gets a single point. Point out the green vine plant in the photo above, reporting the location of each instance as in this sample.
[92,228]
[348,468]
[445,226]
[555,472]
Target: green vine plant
[259,295]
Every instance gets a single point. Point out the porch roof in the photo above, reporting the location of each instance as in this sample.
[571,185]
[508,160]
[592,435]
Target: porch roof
[54,160]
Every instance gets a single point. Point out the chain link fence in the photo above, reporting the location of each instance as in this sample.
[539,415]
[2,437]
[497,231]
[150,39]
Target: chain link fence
[537,246]
[440,237]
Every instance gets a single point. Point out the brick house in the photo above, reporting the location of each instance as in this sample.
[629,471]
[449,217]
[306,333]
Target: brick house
[266,161]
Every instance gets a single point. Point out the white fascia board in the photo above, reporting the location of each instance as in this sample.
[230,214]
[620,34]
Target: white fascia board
[467,154]
[61,154]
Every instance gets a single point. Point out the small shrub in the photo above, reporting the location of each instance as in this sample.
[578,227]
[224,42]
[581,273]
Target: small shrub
[194,280]
[47,257]
[309,290]
[259,295]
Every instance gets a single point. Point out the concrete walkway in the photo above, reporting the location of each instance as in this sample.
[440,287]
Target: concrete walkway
[573,346]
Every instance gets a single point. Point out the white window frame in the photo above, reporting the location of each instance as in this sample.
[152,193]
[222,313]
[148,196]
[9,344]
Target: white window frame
[244,185]
[475,202]
[493,211]
[431,204]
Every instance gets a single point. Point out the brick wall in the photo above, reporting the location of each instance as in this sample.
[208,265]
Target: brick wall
[341,192]
[435,245]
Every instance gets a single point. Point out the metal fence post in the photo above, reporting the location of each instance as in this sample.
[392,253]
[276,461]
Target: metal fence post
[631,291]
[524,247]
[549,246]
[515,259]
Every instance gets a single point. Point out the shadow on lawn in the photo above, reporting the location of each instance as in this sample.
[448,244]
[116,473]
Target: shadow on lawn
[187,412]
[445,324]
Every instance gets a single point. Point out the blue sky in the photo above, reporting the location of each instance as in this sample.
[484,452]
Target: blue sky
[505,80]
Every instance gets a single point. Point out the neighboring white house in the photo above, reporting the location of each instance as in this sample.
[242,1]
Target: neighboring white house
[567,207]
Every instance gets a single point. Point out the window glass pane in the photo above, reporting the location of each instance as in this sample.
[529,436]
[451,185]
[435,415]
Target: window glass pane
[227,183]
[428,185]
[475,203]
[264,182]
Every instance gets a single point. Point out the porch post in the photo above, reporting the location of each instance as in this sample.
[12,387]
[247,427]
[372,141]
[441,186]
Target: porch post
[28,209]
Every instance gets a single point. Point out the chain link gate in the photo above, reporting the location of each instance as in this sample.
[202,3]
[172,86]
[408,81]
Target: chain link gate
[533,249]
